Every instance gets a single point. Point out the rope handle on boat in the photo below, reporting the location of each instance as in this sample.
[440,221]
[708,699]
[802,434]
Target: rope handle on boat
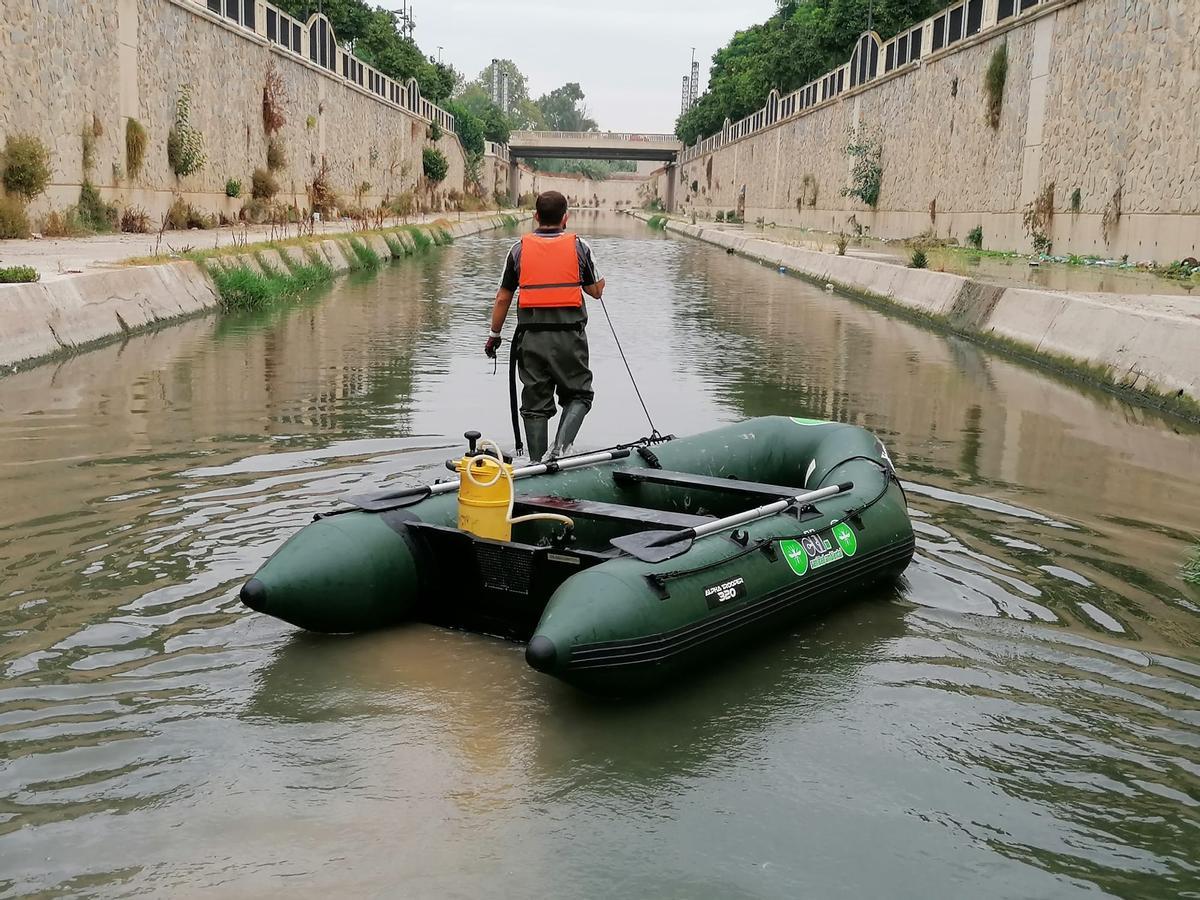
[764,544]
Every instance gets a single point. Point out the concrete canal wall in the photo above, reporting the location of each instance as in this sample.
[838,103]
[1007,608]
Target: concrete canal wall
[618,190]
[71,67]
[1143,343]
[49,318]
[1098,123]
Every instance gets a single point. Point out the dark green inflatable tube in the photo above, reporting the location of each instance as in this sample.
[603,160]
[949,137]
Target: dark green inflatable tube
[619,624]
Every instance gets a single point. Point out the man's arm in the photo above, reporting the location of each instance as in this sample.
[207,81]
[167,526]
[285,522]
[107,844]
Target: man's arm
[504,298]
[592,282]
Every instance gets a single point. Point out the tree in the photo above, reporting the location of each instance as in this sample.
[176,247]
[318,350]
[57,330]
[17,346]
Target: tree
[522,112]
[496,126]
[434,165]
[468,126]
[803,40]
[595,169]
[563,109]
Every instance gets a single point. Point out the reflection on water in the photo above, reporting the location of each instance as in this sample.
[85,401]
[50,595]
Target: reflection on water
[1017,718]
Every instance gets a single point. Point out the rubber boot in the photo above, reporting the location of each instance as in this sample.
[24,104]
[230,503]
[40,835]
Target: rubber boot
[537,435]
[568,426]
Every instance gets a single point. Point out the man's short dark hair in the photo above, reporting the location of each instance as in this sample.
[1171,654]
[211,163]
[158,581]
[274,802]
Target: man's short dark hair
[551,206]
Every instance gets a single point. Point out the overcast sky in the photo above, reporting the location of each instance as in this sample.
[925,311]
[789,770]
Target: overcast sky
[628,55]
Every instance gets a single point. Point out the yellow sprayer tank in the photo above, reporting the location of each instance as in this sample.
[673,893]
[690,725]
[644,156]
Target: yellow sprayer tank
[484,496]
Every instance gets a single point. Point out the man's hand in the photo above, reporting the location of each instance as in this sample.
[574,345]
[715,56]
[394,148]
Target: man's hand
[493,344]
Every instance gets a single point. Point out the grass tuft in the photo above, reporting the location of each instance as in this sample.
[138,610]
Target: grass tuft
[352,260]
[244,289]
[18,274]
[367,258]
[421,240]
[398,247]
[1191,569]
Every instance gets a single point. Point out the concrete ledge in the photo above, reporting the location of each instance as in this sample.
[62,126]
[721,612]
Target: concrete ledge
[45,319]
[335,256]
[1147,344]
[379,245]
[270,259]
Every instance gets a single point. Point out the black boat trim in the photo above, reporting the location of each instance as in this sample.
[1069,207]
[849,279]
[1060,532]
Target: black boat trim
[665,645]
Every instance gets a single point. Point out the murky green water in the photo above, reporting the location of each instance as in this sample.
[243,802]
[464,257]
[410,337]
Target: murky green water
[1019,718]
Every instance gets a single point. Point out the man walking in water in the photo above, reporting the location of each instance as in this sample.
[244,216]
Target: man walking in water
[549,270]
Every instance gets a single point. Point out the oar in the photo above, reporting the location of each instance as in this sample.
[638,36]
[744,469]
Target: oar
[659,546]
[409,496]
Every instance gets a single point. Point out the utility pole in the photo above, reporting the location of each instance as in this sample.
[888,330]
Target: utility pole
[691,86]
[404,19]
[440,55]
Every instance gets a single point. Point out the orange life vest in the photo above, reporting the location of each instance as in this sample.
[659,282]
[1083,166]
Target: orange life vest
[549,272]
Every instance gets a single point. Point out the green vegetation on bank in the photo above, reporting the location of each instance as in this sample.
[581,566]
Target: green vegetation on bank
[1191,569]
[658,223]
[242,285]
[367,258]
[801,41]
[243,288]
[25,173]
[420,238]
[18,274]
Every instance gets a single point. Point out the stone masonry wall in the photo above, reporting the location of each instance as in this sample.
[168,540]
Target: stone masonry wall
[67,60]
[1102,96]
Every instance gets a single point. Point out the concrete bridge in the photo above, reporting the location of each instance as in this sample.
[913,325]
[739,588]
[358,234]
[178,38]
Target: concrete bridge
[591,145]
[594,145]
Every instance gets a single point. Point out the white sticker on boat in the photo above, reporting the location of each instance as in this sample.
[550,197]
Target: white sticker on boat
[807,475]
[723,591]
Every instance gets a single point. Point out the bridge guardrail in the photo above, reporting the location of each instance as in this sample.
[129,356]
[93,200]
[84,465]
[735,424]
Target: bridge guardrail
[632,136]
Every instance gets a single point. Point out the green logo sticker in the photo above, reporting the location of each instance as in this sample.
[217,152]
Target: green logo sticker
[844,535]
[796,556]
[810,421]
[813,551]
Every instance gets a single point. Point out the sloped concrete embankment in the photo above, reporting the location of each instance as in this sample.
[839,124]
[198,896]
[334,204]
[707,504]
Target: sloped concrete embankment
[46,319]
[1149,344]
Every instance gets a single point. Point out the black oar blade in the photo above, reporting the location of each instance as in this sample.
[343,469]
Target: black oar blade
[389,499]
[654,546]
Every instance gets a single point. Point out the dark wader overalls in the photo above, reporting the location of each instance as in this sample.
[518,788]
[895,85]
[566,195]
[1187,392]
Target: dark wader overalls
[549,348]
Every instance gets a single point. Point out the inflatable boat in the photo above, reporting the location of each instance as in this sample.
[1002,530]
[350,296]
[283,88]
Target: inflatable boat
[618,568]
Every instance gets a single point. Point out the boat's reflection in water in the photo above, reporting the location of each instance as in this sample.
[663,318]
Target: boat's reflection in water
[478,694]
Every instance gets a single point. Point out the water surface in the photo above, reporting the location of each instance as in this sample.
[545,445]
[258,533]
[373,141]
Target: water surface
[1017,718]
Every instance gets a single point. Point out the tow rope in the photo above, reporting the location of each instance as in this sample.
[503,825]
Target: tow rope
[653,431]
